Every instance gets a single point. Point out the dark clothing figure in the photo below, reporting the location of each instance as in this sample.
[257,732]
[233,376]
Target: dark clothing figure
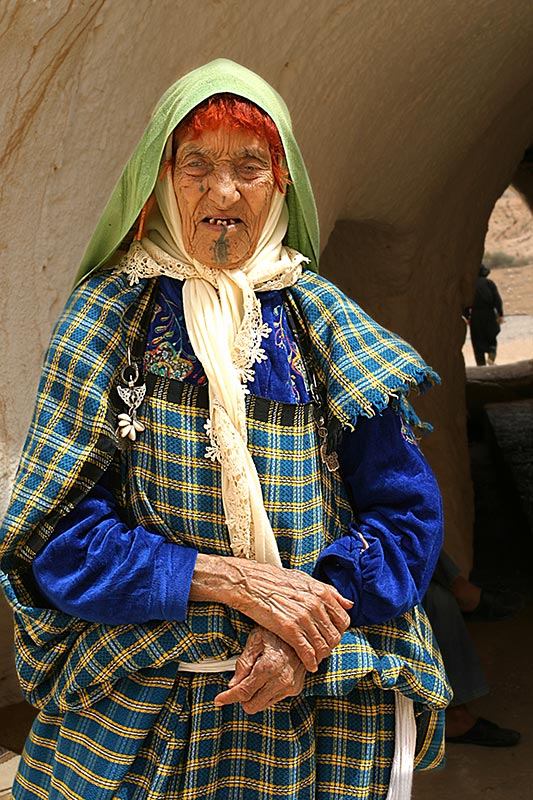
[443,602]
[485,315]
[458,652]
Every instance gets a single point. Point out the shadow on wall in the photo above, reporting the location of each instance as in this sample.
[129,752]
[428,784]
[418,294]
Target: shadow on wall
[373,263]
[9,687]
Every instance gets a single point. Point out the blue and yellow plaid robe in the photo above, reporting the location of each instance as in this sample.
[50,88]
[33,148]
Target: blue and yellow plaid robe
[117,721]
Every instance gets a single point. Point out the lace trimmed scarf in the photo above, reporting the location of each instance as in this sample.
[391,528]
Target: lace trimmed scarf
[223,318]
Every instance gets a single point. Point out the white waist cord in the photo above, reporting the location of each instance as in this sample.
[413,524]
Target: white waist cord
[208,665]
[401,777]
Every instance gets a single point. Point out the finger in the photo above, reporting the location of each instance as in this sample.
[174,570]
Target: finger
[322,603]
[311,640]
[272,692]
[337,596]
[262,700]
[227,697]
[305,626]
[330,637]
[335,603]
[243,691]
[303,648]
[333,618]
[331,633]
[345,603]
[248,657]
[243,668]
[314,623]
[321,635]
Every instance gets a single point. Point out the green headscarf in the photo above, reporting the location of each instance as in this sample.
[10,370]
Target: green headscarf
[140,173]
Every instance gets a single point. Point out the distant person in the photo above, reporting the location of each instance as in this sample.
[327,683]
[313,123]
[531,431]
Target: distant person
[485,317]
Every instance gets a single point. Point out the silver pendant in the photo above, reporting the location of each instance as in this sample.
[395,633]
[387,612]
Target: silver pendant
[128,425]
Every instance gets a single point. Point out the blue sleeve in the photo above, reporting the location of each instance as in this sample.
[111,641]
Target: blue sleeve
[99,569]
[398,510]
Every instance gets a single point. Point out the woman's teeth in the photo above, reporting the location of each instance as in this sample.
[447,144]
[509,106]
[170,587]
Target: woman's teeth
[225,222]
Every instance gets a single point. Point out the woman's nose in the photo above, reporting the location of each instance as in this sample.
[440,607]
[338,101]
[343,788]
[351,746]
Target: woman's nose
[223,186]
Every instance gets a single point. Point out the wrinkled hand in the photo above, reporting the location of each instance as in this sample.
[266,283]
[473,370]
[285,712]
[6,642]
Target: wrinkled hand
[307,614]
[267,671]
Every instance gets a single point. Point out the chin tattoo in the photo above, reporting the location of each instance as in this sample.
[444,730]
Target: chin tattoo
[220,248]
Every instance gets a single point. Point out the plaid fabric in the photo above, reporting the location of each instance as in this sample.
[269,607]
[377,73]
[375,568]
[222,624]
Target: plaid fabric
[72,434]
[117,721]
[303,749]
[362,365]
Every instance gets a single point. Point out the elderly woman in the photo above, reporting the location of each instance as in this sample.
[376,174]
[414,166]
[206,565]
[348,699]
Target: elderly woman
[222,525]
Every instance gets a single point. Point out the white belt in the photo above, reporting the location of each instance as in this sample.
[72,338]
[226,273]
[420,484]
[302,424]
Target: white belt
[208,665]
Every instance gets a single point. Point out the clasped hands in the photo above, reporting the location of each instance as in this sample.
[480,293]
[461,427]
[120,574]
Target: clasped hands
[268,670]
[299,622]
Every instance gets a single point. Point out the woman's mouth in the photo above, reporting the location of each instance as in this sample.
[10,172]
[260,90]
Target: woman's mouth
[222,222]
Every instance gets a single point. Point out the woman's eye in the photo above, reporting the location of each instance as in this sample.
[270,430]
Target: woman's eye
[249,170]
[196,167]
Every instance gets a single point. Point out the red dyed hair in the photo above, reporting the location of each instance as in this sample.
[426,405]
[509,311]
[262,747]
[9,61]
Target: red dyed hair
[236,112]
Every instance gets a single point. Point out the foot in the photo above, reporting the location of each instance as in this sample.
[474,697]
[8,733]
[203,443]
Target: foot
[485,734]
[478,603]
[495,604]
[459,720]
[467,594]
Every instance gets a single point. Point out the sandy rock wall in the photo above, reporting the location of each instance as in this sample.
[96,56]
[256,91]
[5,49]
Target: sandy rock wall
[412,118]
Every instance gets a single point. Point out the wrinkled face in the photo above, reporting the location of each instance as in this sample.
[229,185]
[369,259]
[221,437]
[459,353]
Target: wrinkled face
[224,182]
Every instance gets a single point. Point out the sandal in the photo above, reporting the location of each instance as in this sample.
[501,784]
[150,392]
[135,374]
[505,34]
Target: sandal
[487,734]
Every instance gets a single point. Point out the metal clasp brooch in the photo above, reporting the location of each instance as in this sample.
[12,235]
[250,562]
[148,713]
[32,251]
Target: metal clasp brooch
[331,460]
[132,395]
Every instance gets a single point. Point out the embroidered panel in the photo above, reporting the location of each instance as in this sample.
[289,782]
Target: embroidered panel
[169,353]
